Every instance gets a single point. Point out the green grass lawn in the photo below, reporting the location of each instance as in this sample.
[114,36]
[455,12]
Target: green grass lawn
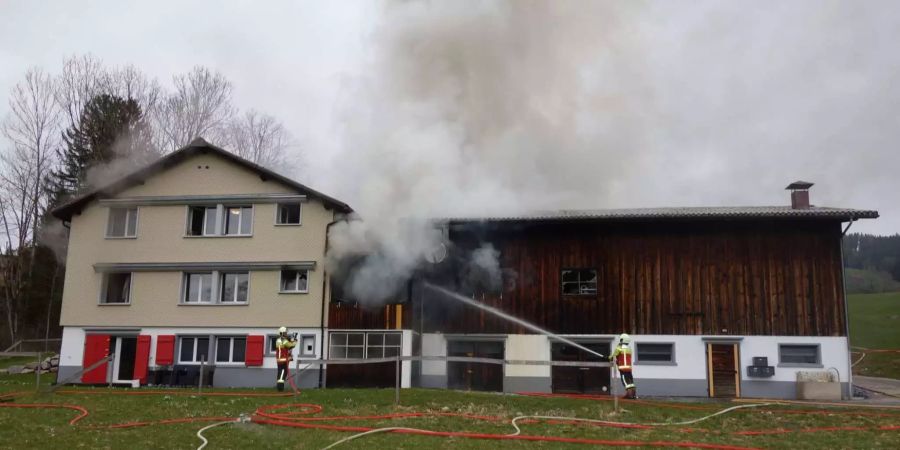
[875,323]
[48,428]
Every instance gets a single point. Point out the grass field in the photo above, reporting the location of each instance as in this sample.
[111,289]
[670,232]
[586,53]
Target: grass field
[48,428]
[875,324]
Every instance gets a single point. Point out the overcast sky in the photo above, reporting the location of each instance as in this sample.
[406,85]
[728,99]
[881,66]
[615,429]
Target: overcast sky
[493,104]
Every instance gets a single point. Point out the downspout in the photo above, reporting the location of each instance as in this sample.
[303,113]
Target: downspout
[846,314]
[322,314]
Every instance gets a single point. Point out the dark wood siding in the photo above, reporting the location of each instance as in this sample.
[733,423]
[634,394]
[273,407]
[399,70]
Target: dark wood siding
[704,277]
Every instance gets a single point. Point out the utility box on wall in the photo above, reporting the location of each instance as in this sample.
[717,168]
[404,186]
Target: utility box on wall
[760,368]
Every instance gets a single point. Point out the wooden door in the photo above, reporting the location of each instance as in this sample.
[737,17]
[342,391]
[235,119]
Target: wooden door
[723,370]
[475,376]
[579,380]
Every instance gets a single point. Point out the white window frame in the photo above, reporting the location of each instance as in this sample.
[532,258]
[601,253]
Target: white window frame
[235,301]
[383,346]
[221,222]
[216,291]
[226,214]
[297,280]
[104,288]
[231,361]
[194,352]
[186,285]
[365,344]
[278,214]
[128,216]
[345,345]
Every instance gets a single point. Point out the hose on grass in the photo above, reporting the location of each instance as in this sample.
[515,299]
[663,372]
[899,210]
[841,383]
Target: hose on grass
[200,431]
[301,416]
[518,431]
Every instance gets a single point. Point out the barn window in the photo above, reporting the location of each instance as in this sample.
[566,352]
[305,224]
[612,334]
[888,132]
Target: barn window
[579,281]
[655,353]
[799,355]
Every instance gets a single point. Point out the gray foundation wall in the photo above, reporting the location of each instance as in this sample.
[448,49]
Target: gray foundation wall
[229,377]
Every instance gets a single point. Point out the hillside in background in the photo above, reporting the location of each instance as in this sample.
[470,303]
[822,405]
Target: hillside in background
[872,262]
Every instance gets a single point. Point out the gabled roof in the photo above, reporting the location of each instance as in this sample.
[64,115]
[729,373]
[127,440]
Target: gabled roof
[688,213]
[197,147]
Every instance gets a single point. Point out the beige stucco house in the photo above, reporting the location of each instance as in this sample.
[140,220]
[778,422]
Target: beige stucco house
[194,259]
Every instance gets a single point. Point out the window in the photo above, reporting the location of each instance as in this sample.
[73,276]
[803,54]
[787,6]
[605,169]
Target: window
[198,287]
[116,289]
[579,281]
[220,220]
[799,354]
[364,345]
[238,220]
[202,221]
[288,214]
[347,345]
[307,345]
[231,349]
[294,281]
[122,223]
[655,353]
[193,350]
[382,345]
[235,287]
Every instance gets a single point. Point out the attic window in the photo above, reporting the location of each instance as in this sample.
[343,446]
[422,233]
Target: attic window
[579,281]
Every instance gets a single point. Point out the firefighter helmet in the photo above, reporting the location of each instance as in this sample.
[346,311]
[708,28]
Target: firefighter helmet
[282,330]
[624,338]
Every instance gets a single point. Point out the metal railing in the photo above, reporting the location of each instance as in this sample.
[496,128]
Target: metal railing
[470,359]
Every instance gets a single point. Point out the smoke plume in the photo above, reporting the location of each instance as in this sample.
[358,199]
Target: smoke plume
[481,109]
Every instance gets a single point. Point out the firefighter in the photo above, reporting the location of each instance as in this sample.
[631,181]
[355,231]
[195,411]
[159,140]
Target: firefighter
[623,357]
[284,346]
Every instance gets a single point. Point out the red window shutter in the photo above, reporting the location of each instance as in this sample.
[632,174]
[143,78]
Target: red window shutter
[142,358]
[165,350]
[255,350]
[96,347]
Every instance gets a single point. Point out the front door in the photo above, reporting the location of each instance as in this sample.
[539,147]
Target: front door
[475,376]
[123,364]
[579,380]
[723,369]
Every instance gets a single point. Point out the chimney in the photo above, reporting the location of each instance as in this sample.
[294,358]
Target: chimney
[799,194]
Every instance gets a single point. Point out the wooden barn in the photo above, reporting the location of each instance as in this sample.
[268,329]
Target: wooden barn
[720,302]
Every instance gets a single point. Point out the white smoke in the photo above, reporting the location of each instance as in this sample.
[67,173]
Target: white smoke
[481,109]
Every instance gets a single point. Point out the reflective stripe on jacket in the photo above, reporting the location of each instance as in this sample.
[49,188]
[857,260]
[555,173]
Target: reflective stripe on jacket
[623,357]
[283,349]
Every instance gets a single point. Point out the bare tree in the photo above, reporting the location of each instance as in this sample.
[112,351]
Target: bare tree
[32,128]
[128,82]
[81,79]
[259,138]
[200,105]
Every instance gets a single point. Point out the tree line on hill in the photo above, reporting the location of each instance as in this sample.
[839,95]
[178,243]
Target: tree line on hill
[873,262]
[81,128]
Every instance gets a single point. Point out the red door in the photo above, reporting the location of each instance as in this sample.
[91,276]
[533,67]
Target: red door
[96,347]
[142,358]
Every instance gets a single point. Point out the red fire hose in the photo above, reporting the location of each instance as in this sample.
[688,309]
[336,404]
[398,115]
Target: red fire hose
[298,415]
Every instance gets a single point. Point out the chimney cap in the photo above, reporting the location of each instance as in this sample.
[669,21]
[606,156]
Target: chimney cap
[799,185]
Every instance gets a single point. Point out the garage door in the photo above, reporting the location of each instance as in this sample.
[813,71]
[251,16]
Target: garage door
[475,376]
[580,380]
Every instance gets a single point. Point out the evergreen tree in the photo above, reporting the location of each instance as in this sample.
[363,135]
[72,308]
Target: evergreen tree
[111,137]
